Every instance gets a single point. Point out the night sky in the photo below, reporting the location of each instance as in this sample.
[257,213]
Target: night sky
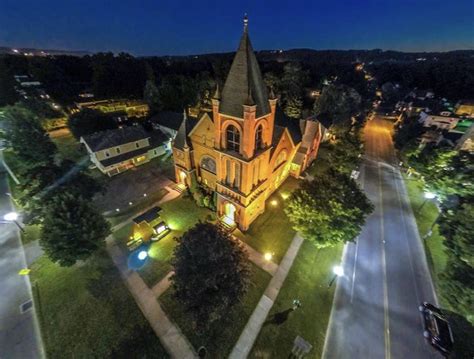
[179,27]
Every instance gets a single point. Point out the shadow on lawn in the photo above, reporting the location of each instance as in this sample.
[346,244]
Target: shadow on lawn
[279,318]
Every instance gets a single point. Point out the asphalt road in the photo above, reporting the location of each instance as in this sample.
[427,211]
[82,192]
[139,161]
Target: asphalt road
[386,277]
[19,331]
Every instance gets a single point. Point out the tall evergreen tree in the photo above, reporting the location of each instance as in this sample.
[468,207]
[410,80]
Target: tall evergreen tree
[8,94]
[211,273]
[72,229]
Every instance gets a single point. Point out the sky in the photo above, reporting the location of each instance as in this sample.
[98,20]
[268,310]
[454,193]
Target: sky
[182,27]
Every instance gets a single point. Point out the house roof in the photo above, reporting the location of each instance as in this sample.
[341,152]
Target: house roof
[148,216]
[244,84]
[157,138]
[186,126]
[292,125]
[169,119]
[112,138]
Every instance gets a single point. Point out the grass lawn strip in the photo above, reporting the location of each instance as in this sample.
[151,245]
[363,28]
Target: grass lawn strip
[86,312]
[223,334]
[307,281]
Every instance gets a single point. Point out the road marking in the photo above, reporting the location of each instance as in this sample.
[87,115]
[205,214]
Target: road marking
[384,269]
[354,269]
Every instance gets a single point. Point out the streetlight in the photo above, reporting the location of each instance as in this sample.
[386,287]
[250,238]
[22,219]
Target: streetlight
[338,272]
[268,256]
[427,195]
[13,217]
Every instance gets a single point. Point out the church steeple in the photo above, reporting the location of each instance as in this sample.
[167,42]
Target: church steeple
[244,78]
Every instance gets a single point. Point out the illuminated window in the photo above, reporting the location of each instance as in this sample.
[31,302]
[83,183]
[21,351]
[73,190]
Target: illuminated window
[259,137]
[233,138]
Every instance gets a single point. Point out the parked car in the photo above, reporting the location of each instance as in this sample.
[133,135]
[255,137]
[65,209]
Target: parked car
[437,330]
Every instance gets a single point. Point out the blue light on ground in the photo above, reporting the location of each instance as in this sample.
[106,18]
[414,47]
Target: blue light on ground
[138,258]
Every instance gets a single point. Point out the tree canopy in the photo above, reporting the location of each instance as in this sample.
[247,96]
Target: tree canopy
[338,103]
[211,273]
[88,121]
[328,210]
[27,138]
[72,229]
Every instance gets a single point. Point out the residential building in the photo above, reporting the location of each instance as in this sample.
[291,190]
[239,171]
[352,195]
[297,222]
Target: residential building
[168,122]
[246,146]
[465,108]
[466,142]
[132,108]
[115,151]
[443,120]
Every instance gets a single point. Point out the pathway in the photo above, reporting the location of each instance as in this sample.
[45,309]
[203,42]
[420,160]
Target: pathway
[252,328]
[170,336]
[258,258]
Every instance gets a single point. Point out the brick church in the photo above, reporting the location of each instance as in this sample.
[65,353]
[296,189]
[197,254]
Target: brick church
[245,147]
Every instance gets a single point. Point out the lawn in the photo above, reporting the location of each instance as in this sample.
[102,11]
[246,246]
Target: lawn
[223,334]
[180,214]
[272,231]
[424,218]
[31,233]
[307,281]
[85,311]
[68,146]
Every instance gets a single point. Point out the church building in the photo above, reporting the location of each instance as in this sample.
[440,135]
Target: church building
[246,147]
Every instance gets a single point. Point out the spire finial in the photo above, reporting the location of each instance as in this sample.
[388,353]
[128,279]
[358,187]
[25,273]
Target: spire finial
[246,22]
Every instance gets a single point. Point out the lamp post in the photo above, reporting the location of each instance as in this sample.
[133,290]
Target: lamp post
[338,272]
[13,217]
[427,195]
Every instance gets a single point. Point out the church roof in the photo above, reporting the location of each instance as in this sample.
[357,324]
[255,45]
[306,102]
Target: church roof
[291,124]
[244,81]
[181,140]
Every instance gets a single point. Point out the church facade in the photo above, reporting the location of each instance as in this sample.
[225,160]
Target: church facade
[245,147]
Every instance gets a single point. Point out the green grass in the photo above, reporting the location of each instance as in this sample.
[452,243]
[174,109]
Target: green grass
[223,334]
[68,146]
[321,164]
[272,230]
[85,311]
[425,217]
[307,281]
[31,233]
[180,214]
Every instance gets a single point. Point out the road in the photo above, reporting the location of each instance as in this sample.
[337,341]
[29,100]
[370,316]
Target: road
[19,332]
[386,277]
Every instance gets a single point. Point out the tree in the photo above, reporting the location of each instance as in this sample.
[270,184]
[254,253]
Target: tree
[294,107]
[72,229]
[406,131]
[457,226]
[338,102]
[328,210]
[88,121]
[27,138]
[211,273]
[152,97]
[344,153]
[8,95]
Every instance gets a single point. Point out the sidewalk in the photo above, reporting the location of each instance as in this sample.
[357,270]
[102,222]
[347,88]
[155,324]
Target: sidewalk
[170,336]
[257,258]
[247,338]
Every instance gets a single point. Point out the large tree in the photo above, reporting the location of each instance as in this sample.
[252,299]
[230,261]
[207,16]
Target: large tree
[88,121]
[72,229]
[211,273]
[339,103]
[27,138]
[328,210]
[151,96]
[8,94]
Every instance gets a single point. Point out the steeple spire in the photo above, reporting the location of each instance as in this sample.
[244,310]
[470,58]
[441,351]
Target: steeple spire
[217,93]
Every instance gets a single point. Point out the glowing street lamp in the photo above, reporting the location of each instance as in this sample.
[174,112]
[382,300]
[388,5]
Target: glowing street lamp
[338,272]
[13,217]
[427,195]
[268,256]
[274,202]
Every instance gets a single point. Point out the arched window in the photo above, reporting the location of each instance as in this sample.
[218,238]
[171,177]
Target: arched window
[233,138]
[259,137]
[209,164]
[281,158]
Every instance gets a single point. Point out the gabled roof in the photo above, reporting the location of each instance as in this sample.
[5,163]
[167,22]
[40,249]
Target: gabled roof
[168,119]
[181,140]
[112,138]
[292,125]
[244,82]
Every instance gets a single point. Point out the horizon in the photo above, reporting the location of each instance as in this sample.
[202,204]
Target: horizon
[182,28]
